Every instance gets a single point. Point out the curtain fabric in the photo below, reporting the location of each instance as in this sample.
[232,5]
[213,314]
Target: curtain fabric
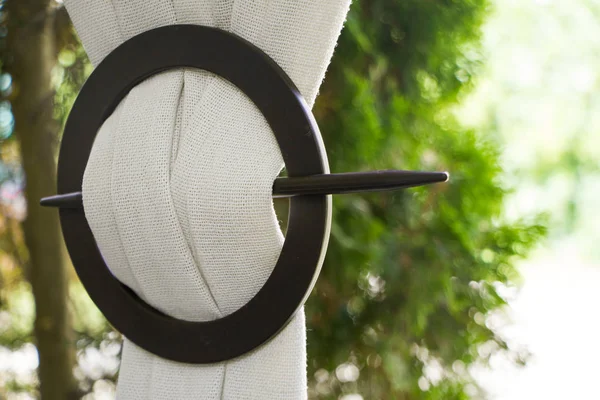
[177,189]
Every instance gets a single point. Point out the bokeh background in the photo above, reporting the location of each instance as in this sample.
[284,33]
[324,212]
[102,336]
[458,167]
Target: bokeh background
[484,287]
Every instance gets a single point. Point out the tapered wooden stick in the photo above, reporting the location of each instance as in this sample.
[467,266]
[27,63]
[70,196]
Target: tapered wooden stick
[350,182]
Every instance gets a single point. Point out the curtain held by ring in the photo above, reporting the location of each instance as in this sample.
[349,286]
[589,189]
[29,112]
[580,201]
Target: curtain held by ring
[177,190]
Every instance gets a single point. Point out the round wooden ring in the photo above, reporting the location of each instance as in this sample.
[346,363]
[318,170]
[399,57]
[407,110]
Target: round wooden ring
[297,134]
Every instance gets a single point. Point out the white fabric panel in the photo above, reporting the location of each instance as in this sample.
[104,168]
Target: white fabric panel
[178,186]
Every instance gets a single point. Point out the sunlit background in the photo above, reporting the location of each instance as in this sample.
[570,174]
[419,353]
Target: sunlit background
[532,89]
[541,95]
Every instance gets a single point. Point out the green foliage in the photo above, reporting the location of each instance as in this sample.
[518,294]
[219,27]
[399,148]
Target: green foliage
[410,276]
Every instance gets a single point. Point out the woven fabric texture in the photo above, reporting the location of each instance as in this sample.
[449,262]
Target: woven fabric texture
[177,190]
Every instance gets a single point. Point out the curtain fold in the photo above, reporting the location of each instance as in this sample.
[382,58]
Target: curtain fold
[177,189]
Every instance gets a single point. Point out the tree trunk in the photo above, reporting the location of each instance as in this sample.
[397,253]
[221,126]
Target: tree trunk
[31,57]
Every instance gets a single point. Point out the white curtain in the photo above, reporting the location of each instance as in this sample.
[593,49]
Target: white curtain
[177,190]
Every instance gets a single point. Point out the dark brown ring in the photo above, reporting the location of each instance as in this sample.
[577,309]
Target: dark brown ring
[297,134]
